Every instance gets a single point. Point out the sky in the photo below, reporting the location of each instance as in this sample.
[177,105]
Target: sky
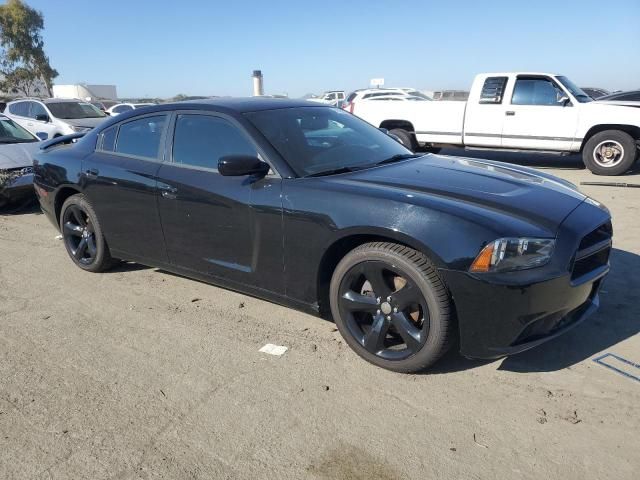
[160,48]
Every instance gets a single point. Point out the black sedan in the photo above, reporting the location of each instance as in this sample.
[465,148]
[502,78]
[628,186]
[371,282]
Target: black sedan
[309,206]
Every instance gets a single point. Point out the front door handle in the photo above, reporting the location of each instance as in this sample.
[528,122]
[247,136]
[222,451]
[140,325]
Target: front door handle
[510,113]
[92,172]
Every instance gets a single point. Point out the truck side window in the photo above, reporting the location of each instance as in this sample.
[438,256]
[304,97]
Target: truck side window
[536,91]
[493,90]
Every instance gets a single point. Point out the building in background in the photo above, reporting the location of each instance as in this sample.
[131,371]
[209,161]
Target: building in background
[86,92]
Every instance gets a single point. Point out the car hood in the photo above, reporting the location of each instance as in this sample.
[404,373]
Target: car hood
[17,155]
[521,192]
[84,122]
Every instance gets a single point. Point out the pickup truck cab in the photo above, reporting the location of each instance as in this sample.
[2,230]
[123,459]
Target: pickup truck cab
[518,111]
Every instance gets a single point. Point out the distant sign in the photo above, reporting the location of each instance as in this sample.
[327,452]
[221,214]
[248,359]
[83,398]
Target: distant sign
[377,82]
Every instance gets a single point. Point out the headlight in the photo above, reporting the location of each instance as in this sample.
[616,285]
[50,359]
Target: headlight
[79,129]
[508,254]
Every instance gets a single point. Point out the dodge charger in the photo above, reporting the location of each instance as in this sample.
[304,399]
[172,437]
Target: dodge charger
[307,205]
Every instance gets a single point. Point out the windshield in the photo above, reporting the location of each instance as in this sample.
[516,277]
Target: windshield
[11,132]
[67,110]
[575,90]
[316,140]
[416,93]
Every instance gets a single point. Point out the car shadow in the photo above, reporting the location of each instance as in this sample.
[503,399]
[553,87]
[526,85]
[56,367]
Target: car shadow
[617,319]
[27,206]
[529,159]
[127,267]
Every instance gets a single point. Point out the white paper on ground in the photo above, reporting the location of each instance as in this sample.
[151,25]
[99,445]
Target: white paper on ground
[272,349]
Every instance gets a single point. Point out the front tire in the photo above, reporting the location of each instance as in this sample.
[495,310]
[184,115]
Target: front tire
[612,152]
[82,235]
[391,307]
[408,139]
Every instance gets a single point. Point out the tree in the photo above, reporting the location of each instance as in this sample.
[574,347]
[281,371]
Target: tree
[23,61]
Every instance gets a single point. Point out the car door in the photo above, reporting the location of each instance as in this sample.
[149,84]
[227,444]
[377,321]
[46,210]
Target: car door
[225,227]
[539,116]
[119,181]
[40,120]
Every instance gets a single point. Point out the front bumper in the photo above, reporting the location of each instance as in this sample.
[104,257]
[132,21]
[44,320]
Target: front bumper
[504,314]
[500,320]
[16,189]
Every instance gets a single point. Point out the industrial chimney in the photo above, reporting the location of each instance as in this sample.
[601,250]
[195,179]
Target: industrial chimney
[257,83]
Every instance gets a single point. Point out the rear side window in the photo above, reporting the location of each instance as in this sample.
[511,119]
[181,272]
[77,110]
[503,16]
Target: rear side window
[493,90]
[200,141]
[536,91]
[21,109]
[108,139]
[141,137]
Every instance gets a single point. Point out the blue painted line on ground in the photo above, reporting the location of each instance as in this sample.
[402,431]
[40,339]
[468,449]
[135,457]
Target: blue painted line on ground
[623,360]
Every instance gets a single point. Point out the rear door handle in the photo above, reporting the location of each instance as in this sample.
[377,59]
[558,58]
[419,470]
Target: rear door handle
[92,172]
[510,113]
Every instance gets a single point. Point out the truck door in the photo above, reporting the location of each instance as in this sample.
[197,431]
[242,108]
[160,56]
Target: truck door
[485,113]
[539,116]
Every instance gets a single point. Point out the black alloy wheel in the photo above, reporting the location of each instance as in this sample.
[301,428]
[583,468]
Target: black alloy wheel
[384,310]
[79,235]
[391,306]
[82,235]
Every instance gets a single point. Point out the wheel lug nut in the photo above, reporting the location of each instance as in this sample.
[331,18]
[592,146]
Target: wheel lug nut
[395,309]
[388,299]
[388,317]
[377,312]
[378,300]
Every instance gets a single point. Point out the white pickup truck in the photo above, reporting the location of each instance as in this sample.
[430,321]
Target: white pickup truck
[518,111]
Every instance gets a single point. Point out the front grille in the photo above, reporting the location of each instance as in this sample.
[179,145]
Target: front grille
[593,251]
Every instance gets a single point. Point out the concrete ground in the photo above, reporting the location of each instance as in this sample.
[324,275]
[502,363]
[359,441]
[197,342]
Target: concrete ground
[139,374]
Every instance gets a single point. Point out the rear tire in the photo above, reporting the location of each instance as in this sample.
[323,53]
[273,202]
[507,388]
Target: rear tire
[408,139]
[612,152]
[391,307]
[82,235]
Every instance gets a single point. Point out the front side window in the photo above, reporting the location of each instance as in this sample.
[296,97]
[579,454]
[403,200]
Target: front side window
[141,137]
[317,140]
[201,140]
[536,91]
[37,109]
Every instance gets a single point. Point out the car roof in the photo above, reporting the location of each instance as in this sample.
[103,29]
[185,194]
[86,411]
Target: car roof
[246,104]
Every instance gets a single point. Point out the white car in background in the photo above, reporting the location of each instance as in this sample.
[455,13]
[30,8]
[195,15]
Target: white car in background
[126,107]
[330,97]
[384,93]
[53,117]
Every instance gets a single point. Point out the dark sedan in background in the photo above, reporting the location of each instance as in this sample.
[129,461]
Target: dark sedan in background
[309,206]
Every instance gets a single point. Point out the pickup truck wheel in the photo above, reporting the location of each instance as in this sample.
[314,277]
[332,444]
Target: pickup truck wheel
[408,139]
[611,152]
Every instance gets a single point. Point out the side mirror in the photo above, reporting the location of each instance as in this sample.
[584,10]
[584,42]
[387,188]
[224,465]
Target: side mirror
[240,165]
[564,101]
[384,130]
[42,117]
[42,135]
